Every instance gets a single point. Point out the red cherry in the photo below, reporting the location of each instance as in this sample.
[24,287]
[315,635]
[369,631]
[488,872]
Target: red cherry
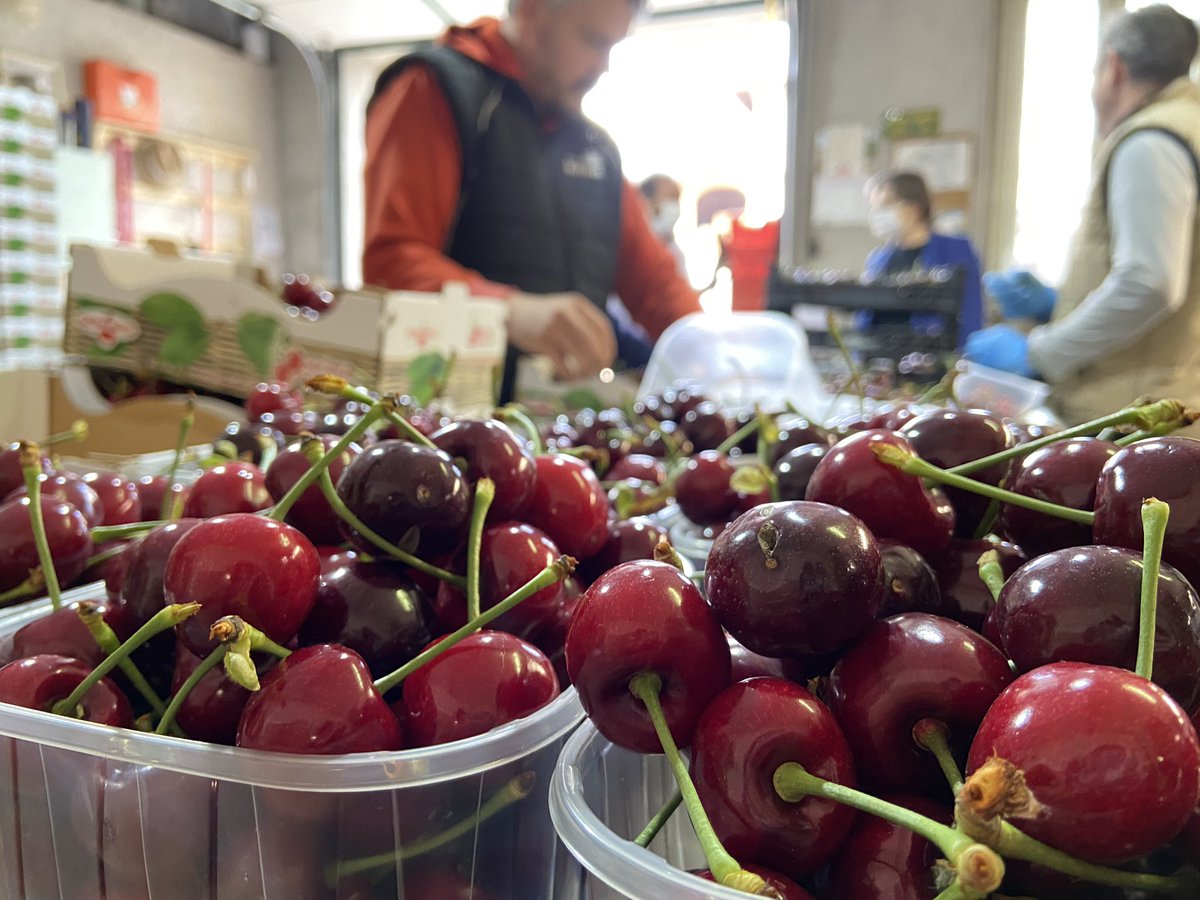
[645,617]
[910,584]
[243,565]
[907,668]
[745,663]
[705,427]
[151,490]
[69,488]
[62,633]
[569,504]
[228,488]
[797,433]
[302,291]
[629,540]
[640,466]
[964,596]
[748,731]
[482,682]
[269,398]
[320,700]
[784,886]
[11,474]
[702,489]
[66,532]
[118,496]
[491,450]
[213,708]
[142,587]
[312,513]
[882,861]
[38,682]
[893,505]
[1111,758]
[794,470]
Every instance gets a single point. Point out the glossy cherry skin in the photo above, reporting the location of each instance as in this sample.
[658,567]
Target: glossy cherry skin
[234,487]
[118,496]
[748,731]
[269,398]
[1111,758]
[794,469]
[312,513]
[964,596]
[629,540]
[949,437]
[142,587]
[152,489]
[892,416]
[892,504]
[702,489]
[38,682]
[745,663]
[62,633]
[1164,468]
[907,668]
[1064,473]
[570,505]
[797,433]
[641,466]
[705,427]
[485,680]
[11,475]
[795,578]
[882,861]
[784,886]
[242,565]
[372,609]
[69,488]
[320,700]
[1082,604]
[491,450]
[250,441]
[213,708]
[645,617]
[910,584]
[66,532]
[395,486]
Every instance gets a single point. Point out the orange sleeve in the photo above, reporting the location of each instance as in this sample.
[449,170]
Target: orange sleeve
[648,280]
[412,180]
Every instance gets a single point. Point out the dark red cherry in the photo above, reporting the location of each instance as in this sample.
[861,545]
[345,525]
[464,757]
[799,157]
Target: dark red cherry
[115,570]
[66,532]
[784,886]
[1023,432]
[69,488]
[242,565]
[892,504]
[269,398]
[794,469]
[372,609]
[551,635]
[748,731]
[489,449]
[645,617]
[62,633]
[118,497]
[228,488]
[213,708]
[641,466]
[964,596]
[882,861]
[38,682]
[892,416]
[312,513]
[795,578]
[569,504]
[1064,473]
[395,486]
[628,540]
[485,680]
[250,441]
[745,663]
[142,589]
[910,584]
[657,442]
[1082,604]
[11,475]
[705,427]
[1164,468]
[949,437]
[302,291]
[702,489]
[907,668]
[797,433]
[152,489]
[1112,760]
[320,700]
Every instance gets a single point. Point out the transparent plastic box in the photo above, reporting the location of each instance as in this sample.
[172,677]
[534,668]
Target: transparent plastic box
[601,798]
[89,812]
[982,387]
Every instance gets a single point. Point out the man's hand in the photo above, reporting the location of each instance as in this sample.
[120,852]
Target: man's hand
[567,328]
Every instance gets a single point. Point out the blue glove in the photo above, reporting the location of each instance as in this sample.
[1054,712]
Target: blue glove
[1021,295]
[1001,347]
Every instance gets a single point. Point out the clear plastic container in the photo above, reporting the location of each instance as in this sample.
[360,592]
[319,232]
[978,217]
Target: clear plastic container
[982,387]
[601,798]
[89,812]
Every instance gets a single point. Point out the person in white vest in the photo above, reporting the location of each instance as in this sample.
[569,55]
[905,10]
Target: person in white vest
[1126,319]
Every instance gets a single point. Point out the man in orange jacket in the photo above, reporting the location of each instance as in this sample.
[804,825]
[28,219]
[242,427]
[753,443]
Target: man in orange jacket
[481,168]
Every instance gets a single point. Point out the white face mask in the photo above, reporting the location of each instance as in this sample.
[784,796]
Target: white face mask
[883,222]
[664,220]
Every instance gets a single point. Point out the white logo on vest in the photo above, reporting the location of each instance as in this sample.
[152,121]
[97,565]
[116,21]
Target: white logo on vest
[589,164]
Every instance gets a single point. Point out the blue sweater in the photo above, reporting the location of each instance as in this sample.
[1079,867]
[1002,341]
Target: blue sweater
[943,250]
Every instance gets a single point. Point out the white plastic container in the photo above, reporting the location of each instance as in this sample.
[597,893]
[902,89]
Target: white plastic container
[982,387]
[90,812]
[601,798]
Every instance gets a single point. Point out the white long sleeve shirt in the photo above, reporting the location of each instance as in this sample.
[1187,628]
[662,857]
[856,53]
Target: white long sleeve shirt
[1152,195]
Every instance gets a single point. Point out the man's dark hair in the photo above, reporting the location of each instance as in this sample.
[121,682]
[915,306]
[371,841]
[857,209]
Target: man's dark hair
[1157,44]
[907,186]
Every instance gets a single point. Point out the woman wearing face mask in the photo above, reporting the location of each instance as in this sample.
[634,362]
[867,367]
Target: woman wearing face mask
[901,216]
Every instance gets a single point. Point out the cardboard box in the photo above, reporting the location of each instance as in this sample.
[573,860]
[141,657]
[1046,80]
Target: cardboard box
[211,324]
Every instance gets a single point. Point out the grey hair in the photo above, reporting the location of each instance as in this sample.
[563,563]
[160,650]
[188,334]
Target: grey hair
[1157,44]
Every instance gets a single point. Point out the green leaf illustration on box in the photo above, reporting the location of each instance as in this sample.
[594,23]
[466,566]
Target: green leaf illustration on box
[427,376]
[259,337]
[186,336]
[581,398]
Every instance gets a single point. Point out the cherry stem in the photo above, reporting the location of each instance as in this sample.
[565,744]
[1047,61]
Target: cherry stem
[646,687]
[106,639]
[1148,416]
[991,573]
[654,826]
[310,477]
[485,492]
[240,638]
[206,665]
[1155,515]
[980,870]
[835,332]
[988,521]
[740,435]
[103,556]
[954,892]
[933,735]
[551,575]
[665,552]
[343,511]
[912,464]
[30,587]
[513,791]
[332,384]
[185,426]
[1189,417]
[31,468]
[166,618]
[768,437]
[511,414]
[106,533]
[77,432]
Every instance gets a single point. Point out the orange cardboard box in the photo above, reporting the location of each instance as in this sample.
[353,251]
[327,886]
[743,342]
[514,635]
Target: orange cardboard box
[121,95]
